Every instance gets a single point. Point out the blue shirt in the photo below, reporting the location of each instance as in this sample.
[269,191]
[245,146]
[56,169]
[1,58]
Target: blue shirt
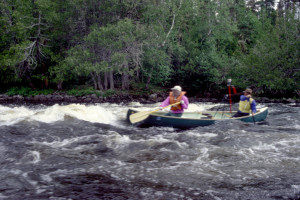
[253,104]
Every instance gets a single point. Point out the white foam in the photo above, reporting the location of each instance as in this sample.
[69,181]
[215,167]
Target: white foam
[264,147]
[16,172]
[135,104]
[106,113]
[115,140]
[36,156]
[9,116]
[197,107]
[297,187]
[65,142]
[46,177]
[91,113]
[204,134]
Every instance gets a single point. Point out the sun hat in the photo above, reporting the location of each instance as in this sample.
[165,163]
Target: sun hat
[248,90]
[177,87]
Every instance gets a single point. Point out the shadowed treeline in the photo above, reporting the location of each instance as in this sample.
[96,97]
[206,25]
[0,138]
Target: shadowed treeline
[124,45]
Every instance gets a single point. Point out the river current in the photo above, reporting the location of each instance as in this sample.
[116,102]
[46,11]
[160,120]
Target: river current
[77,151]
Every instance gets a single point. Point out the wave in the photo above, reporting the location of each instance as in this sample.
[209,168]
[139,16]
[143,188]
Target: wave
[90,113]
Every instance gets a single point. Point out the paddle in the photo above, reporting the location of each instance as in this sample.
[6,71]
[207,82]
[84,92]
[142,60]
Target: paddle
[140,116]
[253,118]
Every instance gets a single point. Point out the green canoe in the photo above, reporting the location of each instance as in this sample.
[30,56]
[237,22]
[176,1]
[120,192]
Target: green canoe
[195,119]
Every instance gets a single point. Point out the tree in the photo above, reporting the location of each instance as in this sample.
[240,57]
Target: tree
[272,65]
[108,51]
[206,37]
[27,45]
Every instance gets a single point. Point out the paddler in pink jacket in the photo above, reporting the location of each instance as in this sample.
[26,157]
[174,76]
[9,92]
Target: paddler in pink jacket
[176,95]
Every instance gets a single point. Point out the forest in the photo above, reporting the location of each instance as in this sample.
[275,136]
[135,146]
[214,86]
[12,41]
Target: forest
[119,45]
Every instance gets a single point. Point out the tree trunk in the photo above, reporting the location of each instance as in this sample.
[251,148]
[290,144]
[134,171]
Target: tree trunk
[105,80]
[149,78]
[125,78]
[100,87]
[172,26]
[111,80]
[94,81]
[137,75]
[59,85]
[123,84]
[125,81]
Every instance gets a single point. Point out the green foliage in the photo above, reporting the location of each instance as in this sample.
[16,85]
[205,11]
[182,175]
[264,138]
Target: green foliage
[26,91]
[272,67]
[210,44]
[139,89]
[89,91]
[109,93]
[156,65]
[117,44]
[6,78]
[83,92]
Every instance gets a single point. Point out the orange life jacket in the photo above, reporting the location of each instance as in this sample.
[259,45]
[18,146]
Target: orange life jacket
[178,99]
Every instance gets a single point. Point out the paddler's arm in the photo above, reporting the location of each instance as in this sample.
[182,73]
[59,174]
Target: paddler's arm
[165,103]
[185,105]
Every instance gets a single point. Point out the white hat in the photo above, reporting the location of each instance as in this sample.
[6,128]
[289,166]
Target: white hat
[177,87]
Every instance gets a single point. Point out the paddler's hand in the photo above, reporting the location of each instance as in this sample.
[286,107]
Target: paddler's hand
[181,102]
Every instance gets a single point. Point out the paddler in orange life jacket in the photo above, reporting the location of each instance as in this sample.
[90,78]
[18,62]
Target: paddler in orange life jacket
[176,95]
[247,104]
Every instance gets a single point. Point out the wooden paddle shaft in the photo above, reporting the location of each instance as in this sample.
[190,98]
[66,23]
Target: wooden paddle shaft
[140,116]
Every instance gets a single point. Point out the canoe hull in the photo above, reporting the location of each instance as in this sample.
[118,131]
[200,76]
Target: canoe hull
[159,119]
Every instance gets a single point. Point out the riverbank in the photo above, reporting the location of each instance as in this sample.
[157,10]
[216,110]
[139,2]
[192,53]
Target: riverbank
[93,98]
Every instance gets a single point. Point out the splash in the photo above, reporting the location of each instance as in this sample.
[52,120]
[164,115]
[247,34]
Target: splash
[90,113]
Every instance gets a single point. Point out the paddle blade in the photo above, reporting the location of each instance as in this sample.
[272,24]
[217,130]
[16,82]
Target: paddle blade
[138,117]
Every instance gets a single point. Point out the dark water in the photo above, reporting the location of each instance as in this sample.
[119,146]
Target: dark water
[89,152]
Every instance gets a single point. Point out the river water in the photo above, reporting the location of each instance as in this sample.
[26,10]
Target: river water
[77,151]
